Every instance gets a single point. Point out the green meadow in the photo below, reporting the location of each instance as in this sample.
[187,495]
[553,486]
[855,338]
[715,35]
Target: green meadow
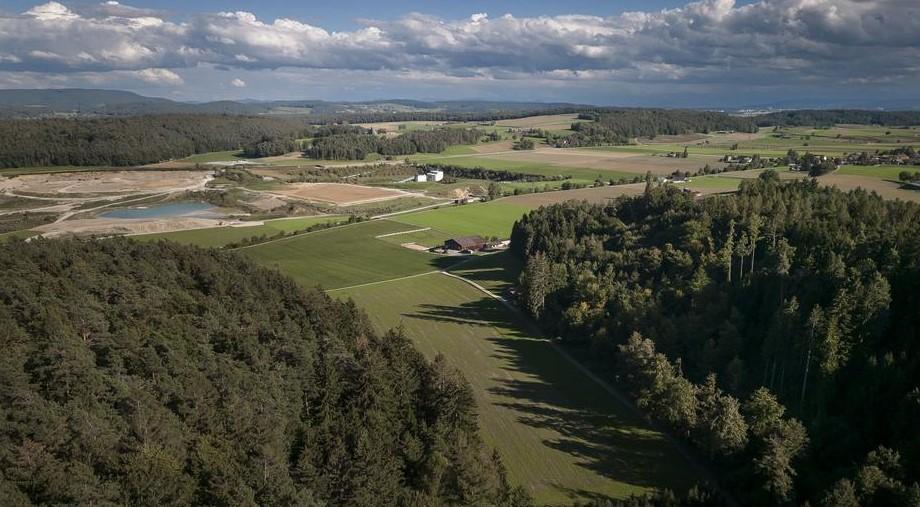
[560,434]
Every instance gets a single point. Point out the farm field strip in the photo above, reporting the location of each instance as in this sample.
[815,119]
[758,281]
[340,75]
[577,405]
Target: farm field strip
[345,256]
[561,434]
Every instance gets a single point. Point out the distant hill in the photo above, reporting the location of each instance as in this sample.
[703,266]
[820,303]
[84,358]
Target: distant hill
[90,102]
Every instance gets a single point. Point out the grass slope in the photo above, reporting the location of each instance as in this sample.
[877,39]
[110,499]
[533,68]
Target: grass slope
[220,236]
[488,219]
[345,256]
[560,435]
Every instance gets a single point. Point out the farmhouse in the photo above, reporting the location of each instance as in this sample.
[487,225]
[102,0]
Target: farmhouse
[465,243]
[433,175]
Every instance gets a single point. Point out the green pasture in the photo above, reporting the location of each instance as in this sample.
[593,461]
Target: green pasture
[345,256]
[486,219]
[561,436]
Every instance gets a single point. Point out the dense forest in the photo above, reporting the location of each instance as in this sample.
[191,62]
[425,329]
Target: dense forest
[358,145]
[621,126]
[776,329]
[157,374]
[830,117]
[133,140]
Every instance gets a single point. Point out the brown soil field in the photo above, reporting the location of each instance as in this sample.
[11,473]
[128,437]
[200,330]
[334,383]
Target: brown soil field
[754,173]
[886,189]
[112,182]
[597,195]
[493,147]
[340,194]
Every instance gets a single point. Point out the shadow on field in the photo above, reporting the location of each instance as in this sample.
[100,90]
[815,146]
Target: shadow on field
[575,415]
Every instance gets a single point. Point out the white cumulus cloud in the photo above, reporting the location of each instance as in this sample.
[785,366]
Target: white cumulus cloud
[238,83]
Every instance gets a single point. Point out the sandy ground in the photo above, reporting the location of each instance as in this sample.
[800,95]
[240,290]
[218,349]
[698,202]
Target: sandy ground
[886,189]
[267,202]
[109,226]
[105,182]
[340,194]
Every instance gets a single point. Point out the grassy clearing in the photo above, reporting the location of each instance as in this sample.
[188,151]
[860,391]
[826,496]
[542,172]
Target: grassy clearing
[488,219]
[346,256]
[561,436]
[220,236]
[428,238]
[883,172]
[214,156]
[7,236]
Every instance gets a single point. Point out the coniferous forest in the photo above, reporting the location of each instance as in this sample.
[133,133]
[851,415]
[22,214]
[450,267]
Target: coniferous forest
[157,374]
[134,140]
[621,126]
[775,330]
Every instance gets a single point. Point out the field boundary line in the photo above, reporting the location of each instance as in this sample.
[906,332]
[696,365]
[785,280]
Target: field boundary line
[384,281]
[606,386]
[390,234]
[294,236]
[413,210]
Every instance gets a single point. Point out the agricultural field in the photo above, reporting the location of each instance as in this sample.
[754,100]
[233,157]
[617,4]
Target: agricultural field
[338,194]
[220,236]
[552,122]
[488,219]
[346,256]
[560,434]
[597,195]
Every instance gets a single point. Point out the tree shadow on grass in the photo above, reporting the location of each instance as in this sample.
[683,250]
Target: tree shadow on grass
[576,415]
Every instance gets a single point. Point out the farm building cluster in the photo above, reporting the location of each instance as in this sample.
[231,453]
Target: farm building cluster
[433,175]
[472,244]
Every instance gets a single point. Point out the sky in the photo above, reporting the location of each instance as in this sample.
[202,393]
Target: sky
[709,53]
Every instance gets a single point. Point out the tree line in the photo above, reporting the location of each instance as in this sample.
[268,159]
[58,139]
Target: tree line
[775,329]
[358,145]
[133,140]
[621,126]
[831,117]
[159,374]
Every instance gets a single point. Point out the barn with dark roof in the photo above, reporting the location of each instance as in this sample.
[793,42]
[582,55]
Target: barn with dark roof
[464,243]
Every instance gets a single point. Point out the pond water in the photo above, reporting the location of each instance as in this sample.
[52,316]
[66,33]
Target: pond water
[168,210]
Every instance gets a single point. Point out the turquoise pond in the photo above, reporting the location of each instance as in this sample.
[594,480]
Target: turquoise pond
[173,209]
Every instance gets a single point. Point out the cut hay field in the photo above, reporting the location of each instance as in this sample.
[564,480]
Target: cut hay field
[345,256]
[597,195]
[488,219]
[553,122]
[561,435]
[220,236]
[885,188]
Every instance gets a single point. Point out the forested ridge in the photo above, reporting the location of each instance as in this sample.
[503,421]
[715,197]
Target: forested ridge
[775,329]
[358,143]
[830,117]
[134,140]
[157,374]
[621,126]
